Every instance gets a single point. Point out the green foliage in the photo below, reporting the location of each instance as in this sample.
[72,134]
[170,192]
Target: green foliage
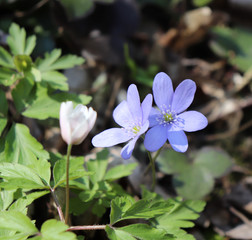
[180,216]
[201,3]
[127,208]
[194,180]
[21,147]
[77,9]
[137,231]
[6,59]
[18,43]
[18,223]
[233,44]
[3,111]
[164,218]
[76,170]
[34,94]
[140,75]
[16,176]
[55,230]
[99,189]
[35,89]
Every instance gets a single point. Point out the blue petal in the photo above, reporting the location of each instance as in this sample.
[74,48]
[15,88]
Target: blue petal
[193,121]
[183,96]
[111,137]
[143,129]
[122,115]
[133,101]
[154,115]
[177,139]
[162,90]
[146,107]
[128,149]
[155,138]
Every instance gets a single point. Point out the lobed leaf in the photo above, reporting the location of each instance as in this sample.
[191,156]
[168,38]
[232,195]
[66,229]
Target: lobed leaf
[126,208]
[180,216]
[45,106]
[14,220]
[21,147]
[6,59]
[53,61]
[19,176]
[56,230]
[17,41]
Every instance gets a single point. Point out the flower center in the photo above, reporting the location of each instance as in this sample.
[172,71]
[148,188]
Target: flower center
[168,117]
[136,129]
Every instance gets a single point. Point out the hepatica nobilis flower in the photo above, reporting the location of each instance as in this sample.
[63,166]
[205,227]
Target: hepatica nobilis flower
[171,120]
[132,116]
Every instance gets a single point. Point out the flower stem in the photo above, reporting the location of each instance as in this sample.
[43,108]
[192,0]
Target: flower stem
[61,216]
[152,163]
[154,159]
[152,166]
[87,227]
[69,148]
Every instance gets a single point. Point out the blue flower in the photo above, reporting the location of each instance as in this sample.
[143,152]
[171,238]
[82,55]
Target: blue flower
[133,117]
[170,121]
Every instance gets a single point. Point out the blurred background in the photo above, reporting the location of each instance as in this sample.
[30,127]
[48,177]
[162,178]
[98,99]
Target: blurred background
[130,41]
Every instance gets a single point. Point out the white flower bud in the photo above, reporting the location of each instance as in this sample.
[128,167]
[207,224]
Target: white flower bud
[75,124]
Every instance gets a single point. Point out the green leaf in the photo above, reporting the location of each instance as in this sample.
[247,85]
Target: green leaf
[180,216]
[53,61]
[6,198]
[19,176]
[30,45]
[115,234]
[201,3]
[195,179]
[17,41]
[3,111]
[22,203]
[22,94]
[98,166]
[21,147]
[76,8]
[145,232]
[137,231]
[34,75]
[146,194]
[233,44]
[3,105]
[8,76]
[14,220]
[6,59]
[44,64]
[125,208]
[171,161]
[216,161]
[193,182]
[76,170]
[119,205]
[45,106]
[56,80]
[43,168]
[56,230]
[120,171]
